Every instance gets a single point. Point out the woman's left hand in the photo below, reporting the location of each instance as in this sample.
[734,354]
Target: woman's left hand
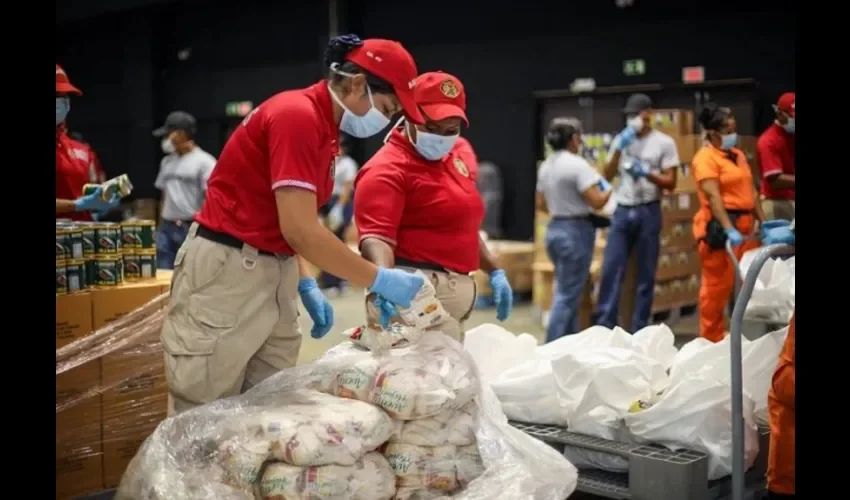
[317,306]
[503,296]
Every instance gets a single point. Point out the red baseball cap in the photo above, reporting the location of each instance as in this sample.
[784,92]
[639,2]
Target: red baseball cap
[63,85]
[440,96]
[389,61]
[786,103]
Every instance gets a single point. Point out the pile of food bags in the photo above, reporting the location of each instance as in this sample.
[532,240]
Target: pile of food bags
[410,422]
[773,296]
[630,388]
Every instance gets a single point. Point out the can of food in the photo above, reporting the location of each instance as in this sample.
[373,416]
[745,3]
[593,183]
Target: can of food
[129,237]
[61,278]
[120,185]
[63,242]
[75,270]
[88,236]
[75,242]
[64,221]
[146,234]
[107,238]
[132,272]
[90,189]
[147,263]
[91,272]
[107,270]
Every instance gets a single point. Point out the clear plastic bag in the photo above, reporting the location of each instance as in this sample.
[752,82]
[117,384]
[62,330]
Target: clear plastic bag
[199,454]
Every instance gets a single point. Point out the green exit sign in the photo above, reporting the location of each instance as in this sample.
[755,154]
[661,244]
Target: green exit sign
[634,67]
[238,108]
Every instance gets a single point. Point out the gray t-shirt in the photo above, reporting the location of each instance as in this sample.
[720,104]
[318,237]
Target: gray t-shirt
[563,178]
[183,180]
[658,151]
[346,171]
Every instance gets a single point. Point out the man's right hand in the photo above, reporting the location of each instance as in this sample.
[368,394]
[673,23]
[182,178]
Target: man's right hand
[94,203]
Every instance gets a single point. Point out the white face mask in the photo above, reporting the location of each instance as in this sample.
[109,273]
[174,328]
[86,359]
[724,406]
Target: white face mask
[433,146]
[790,126]
[636,122]
[167,146]
[360,126]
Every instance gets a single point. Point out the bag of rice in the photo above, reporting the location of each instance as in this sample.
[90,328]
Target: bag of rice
[369,478]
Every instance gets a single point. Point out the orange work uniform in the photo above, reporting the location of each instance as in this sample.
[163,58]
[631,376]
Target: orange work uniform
[781,466]
[732,172]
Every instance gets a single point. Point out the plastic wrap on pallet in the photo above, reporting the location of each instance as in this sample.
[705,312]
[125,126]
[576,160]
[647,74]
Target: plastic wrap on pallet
[226,449]
[110,395]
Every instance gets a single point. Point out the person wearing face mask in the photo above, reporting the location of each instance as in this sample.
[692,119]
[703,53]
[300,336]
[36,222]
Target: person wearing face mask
[646,161]
[569,190]
[416,206]
[728,211]
[775,151]
[233,318]
[183,175]
[73,165]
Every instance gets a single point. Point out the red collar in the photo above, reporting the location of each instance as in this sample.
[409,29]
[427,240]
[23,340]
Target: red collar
[322,95]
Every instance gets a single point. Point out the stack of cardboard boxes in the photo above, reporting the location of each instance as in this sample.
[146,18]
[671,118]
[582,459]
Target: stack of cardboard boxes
[108,404]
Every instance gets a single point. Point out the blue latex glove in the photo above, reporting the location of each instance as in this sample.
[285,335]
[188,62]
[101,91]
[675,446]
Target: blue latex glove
[386,310]
[625,138]
[638,169]
[94,203]
[734,237]
[317,306]
[503,296]
[782,234]
[397,286]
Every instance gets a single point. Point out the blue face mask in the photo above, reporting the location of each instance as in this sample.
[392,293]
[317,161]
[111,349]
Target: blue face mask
[434,146]
[361,126]
[789,126]
[728,141]
[63,105]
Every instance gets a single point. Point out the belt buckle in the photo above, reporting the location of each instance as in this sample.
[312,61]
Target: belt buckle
[178,223]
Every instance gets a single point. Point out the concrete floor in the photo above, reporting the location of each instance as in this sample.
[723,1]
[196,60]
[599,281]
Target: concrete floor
[349,312]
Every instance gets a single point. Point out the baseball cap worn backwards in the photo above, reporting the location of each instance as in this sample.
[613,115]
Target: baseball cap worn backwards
[391,62]
[786,103]
[177,120]
[637,103]
[440,95]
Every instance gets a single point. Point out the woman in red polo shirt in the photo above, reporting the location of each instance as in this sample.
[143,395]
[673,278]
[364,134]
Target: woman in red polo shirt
[416,205]
[233,319]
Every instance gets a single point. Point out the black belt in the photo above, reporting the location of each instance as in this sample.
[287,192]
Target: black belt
[180,222]
[225,239]
[420,265]
[638,204]
[571,217]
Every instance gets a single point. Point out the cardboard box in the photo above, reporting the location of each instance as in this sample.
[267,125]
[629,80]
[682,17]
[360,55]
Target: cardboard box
[676,264]
[135,399]
[685,182]
[677,292]
[677,234]
[679,206]
[79,467]
[544,283]
[674,122]
[687,146]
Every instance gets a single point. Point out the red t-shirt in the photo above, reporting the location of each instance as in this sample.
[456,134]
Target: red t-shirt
[430,211]
[72,171]
[776,156]
[289,141]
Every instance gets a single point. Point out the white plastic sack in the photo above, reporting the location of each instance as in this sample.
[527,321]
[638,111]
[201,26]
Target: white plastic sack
[774,291]
[595,336]
[495,349]
[656,342]
[528,393]
[696,414]
[368,478]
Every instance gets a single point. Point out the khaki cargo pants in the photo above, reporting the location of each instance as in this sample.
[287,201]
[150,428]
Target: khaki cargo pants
[778,209]
[455,291]
[232,321]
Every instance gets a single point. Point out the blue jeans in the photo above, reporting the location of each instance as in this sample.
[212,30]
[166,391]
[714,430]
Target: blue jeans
[569,243]
[635,228]
[327,280]
[168,240]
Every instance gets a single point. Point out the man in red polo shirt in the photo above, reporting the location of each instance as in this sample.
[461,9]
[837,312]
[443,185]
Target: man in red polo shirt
[73,167]
[776,158]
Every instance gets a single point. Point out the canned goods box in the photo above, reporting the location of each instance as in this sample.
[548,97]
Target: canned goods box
[98,435]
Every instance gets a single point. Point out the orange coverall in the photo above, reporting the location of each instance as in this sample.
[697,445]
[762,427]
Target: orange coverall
[738,193]
[781,466]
